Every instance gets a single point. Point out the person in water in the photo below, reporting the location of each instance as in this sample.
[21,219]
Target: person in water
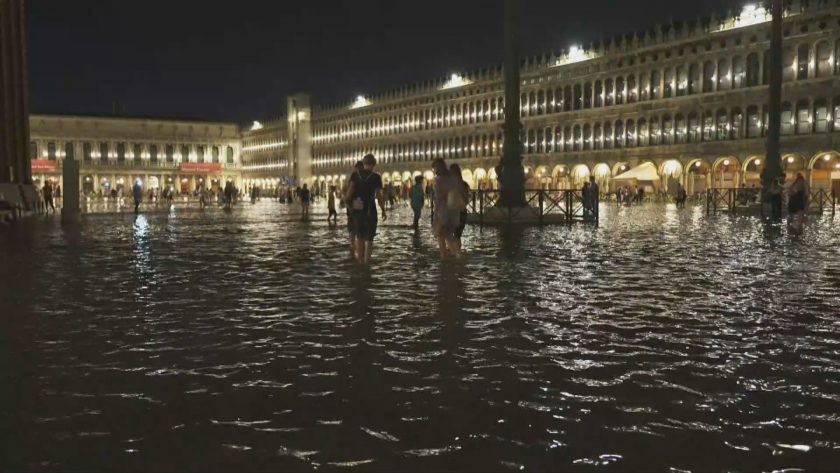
[364,193]
[417,197]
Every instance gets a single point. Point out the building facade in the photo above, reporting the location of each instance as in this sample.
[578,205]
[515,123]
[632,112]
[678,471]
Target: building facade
[116,152]
[689,97]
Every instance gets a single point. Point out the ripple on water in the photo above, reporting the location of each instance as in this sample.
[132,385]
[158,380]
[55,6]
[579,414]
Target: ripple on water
[663,340]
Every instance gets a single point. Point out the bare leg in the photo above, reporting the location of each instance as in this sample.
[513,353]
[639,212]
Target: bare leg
[368,251]
[454,246]
[442,245]
[360,250]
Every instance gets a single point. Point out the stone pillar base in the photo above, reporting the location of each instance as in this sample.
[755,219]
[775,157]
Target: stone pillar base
[70,207]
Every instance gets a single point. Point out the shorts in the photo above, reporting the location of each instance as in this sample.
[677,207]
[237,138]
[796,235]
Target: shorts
[447,222]
[364,225]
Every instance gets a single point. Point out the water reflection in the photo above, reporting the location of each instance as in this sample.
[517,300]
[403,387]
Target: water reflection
[661,340]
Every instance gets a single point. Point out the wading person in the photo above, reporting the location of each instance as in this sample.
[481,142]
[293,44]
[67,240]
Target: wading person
[594,195]
[418,198]
[364,193]
[584,197]
[797,202]
[331,205]
[351,227]
[776,189]
[138,195]
[48,197]
[681,196]
[445,220]
[458,201]
[304,202]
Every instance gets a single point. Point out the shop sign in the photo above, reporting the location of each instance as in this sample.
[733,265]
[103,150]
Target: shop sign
[201,168]
[44,165]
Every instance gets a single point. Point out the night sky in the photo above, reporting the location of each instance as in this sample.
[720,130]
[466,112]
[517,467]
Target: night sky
[236,60]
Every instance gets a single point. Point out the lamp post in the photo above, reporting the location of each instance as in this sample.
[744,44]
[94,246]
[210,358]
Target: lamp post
[773,160]
[509,171]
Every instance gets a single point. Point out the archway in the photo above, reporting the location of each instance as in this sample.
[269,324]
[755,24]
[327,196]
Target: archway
[793,164]
[467,176]
[752,171]
[620,167]
[560,177]
[493,178]
[825,171]
[530,178]
[602,176]
[580,175]
[87,185]
[543,177]
[154,182]
[670,174]
[481,179]
[698,177]
[726,173]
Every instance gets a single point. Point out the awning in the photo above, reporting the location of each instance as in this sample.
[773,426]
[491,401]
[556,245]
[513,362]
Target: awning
[645,172]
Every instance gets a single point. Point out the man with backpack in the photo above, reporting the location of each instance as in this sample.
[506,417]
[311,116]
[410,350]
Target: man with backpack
[364,192]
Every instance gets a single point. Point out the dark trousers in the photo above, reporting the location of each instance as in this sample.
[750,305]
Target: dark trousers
[776,204]
[417,213]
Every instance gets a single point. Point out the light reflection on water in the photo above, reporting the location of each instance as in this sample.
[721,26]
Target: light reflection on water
[211,340]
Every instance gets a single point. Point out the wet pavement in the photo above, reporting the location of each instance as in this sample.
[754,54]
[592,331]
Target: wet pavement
[247,340]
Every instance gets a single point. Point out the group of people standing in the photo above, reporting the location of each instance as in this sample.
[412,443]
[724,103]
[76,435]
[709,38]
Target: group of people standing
[366,189]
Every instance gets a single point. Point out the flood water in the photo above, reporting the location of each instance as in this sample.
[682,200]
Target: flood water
[203,340]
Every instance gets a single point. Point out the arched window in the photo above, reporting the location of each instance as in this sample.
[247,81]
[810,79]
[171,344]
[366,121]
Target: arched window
[682,81]
[694,84]
[723,81]
[596,136]
[599,94]
[185,153]
[121,152]
[69,151]
[578,98]
[230,154]
[558,99]
[820,116]
[765,67]
[787,119]
[619,90]
[669,83]
[51,151]
[680,133]
[532,138]
[630,134]
[788,64]
[737,72]
[199,154]
[753,122]
[153,153]
[619,134]
[215,154]
[567,98]
[170,153]
[578,138]
[708,77]
[655,93]
[802,62]
[103,151]
[736,126]
[608,92]
[137,153]
[644,86]
[823,66]
[569,139]
[632,93]
[33,150]
[540,141]
[803,117]
[587,137]
[523,106]
[752,70]
[708,126]
[654,132]
[532,108]
[722,129]
[549,140]
[549,101]
[667,130]
[541,103]
[87,152]
[608,135]
[642,133]
[587,95]
[694,134]
[837,57]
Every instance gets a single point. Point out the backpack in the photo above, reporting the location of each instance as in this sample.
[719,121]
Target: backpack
[358,203]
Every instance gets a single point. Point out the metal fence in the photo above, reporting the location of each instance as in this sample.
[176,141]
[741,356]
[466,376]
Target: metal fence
[567,204]
[731,199]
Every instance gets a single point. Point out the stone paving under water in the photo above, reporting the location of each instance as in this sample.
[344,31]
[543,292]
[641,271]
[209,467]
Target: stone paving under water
[247,340]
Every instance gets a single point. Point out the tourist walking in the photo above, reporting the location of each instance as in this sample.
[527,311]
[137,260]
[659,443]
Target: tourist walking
[417,198]
[364,193]
[594,196]
[584,198]
[228,194]
[641,194]
[681,196]
[331,205]
[458,202]
[445,220]
[304,202]
[351,227]
[797,202]
[137,190]
[48,197]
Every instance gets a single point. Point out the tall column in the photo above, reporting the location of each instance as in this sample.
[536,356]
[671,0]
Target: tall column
[15,166]
[509,171]
[300,137]
[773,160]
